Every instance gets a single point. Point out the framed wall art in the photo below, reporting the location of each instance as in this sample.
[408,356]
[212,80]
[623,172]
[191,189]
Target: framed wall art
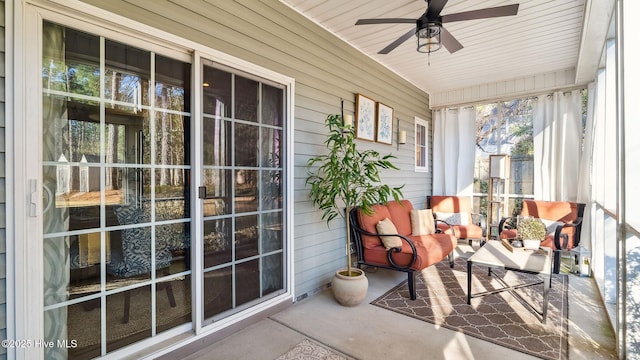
[365,118]
[384,124]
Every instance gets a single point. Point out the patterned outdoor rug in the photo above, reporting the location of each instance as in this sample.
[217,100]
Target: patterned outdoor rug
[309,350]
[498,318]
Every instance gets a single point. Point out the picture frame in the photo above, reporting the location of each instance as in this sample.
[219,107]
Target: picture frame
[365,118]
[384,124]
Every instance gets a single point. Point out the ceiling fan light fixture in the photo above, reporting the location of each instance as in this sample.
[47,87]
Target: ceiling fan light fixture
[428,36]
[429,29]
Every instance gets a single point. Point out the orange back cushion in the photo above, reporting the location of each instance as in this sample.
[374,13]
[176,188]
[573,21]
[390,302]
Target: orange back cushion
[368,223]
[550,210]
[401,215]
[451,204]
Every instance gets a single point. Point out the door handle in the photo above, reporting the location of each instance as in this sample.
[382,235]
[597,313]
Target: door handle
[33,198]
[202,192]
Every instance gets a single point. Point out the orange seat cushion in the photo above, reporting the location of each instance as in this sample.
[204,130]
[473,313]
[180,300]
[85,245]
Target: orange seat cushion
[548,240]
[509,234]
[430,250]
[470,231]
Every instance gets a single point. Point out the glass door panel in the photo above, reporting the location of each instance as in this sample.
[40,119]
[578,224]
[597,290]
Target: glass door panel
[116,203]
[246,236]
[217,242]
[245,99]
[242,206]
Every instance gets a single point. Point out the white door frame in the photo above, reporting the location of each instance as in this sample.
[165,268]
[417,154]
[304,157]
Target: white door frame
[25,320]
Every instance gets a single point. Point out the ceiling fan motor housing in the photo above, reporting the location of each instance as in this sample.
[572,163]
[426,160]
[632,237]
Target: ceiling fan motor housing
[428,35]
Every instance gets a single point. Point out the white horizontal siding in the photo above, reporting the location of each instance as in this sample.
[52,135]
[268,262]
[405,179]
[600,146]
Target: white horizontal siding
[502,90]
[274,36]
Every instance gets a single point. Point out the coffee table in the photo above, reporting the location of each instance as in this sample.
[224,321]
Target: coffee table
[495,254]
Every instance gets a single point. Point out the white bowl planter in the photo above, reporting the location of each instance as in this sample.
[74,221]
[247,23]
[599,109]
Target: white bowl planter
[531,244]
[349,290]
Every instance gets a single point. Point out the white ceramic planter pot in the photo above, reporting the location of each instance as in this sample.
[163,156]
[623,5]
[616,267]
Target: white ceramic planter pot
[531,244]
[349,290]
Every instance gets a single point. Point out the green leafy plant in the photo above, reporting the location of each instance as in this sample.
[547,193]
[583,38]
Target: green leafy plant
[347,177]
[531,228]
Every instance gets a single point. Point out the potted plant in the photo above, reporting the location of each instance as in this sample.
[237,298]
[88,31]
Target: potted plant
[344,178]
[531,231]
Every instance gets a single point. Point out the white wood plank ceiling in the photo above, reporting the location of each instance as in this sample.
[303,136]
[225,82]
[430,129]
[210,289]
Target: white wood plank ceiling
[544,37]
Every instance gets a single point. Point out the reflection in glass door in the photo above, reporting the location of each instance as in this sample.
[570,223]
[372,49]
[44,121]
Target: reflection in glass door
[243,243]
[116,206]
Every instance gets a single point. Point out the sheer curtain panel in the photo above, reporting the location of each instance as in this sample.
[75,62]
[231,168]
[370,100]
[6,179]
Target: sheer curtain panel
[454,134]
[557,136]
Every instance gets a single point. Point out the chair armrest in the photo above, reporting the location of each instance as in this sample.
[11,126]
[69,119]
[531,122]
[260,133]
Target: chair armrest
[557,234]
[504,224]
[414,252]
[481,221]
[435,223]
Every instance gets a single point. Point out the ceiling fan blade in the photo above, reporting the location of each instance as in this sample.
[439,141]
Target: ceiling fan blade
[397,42]
[434,8]
[449,41]
[385,21]
[498,11]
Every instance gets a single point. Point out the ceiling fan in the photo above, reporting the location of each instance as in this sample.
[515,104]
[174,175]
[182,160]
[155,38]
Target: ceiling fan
[429,30]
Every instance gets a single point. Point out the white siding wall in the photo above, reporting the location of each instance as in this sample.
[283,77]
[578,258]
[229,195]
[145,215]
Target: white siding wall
[502,90]
[276,37]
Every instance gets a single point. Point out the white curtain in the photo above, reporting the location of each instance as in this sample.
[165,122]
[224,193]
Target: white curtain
[454,133]
[585,184]
[557,136]
[584,174]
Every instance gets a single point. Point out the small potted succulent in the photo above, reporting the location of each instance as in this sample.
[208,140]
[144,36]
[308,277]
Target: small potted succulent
[531,231]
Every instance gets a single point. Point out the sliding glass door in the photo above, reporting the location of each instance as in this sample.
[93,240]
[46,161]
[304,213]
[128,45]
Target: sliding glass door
[120,204]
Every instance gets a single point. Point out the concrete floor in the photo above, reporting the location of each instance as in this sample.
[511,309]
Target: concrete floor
[370,332]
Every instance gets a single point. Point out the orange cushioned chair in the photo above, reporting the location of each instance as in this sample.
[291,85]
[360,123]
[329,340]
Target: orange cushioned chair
[416,251]
[563,220]
[456,212]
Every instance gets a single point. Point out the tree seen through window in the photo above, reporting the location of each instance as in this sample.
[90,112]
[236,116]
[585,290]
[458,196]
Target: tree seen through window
[504,128]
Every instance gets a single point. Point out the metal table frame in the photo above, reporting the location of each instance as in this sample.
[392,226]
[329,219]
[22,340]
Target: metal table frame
[494,254]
